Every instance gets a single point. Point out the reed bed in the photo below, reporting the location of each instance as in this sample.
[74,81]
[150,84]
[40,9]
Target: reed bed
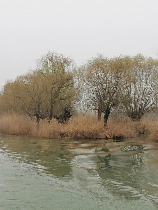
[79,127]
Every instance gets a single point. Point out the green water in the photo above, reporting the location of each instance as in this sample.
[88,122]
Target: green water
[77,175]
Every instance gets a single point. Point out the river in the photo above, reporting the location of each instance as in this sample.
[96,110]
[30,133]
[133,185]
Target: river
[77,175]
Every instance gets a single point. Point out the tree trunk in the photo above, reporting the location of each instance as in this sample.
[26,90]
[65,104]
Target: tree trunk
[51,107]
[37,120]
[106,116]
[50,115]
[99,114]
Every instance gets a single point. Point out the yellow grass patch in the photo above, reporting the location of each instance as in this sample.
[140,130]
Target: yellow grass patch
[79,127]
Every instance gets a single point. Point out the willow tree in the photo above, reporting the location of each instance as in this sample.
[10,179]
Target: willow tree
[139,89]
[60,85]
[46,92]
[12,97]
[27,95]
[103,79]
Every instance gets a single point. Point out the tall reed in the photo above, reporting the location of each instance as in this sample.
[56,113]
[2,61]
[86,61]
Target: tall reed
[79,127]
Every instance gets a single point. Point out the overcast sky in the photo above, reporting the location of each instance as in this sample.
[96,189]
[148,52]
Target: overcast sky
[80,29]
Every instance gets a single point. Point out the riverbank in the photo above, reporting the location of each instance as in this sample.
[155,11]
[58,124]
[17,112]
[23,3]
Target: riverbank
[79,127]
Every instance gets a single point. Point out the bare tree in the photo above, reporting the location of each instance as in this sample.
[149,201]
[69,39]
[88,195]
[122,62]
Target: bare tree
[102,82]
[139,87]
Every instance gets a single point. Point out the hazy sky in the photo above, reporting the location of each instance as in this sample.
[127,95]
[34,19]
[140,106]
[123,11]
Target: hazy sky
[80,29]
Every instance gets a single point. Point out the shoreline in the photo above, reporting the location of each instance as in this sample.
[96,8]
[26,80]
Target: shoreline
[79,127]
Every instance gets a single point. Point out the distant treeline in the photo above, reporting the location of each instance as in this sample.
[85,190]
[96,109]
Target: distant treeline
[57,88]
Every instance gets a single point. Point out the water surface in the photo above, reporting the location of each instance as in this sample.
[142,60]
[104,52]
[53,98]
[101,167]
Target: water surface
[74,175]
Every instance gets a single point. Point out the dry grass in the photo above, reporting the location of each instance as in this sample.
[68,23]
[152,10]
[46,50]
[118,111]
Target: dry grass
[79,127]
[152,130]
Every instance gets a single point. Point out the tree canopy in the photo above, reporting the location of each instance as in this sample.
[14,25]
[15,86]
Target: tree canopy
[46,92]
[102,84]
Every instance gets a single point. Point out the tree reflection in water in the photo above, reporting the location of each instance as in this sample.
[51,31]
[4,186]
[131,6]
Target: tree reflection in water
[118,169]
